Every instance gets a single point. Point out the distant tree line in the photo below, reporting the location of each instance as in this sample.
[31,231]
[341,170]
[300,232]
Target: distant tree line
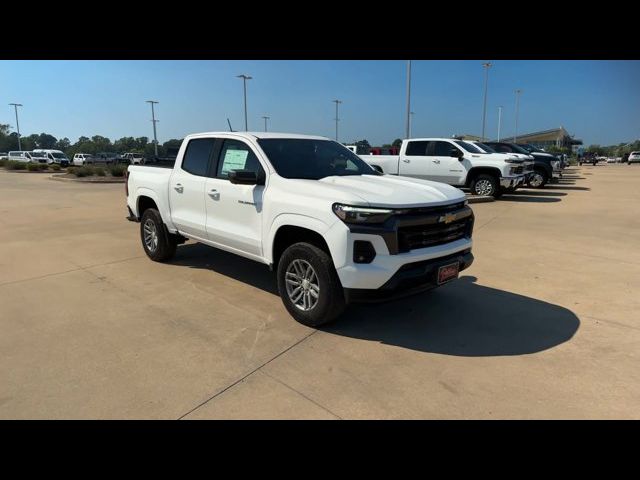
[93,145]
[614,150]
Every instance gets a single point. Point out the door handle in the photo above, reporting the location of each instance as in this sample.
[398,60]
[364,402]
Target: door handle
[178,188]
[436,161]
[213,193]
[406,160]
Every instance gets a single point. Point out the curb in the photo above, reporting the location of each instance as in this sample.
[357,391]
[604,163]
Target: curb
[58,178]
[479,199]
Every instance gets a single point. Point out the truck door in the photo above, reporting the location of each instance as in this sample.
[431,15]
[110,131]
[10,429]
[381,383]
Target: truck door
[414,161]
[445,163]
[186,188]
[234,218]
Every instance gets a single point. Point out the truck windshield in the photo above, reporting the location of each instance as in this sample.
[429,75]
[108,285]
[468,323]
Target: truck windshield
[312,159]
[469,147]
[486,148]
[519,149]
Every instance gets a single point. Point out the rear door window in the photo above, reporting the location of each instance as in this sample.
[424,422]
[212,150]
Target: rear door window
[197,155]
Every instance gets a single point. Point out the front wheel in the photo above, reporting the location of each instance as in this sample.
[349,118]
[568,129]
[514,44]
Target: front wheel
[538,179]
[158,243]
[485,185]
[309,285]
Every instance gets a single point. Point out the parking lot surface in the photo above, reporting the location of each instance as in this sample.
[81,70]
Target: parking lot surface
[545,323]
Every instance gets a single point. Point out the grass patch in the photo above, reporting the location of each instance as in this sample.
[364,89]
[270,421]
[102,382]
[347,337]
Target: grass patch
[55,167]
[33,167]
[3,162]
[99,171]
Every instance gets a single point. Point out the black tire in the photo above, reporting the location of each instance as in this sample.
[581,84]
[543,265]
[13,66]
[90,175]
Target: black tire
[538,179]
[486,185]
[165,247]
[330,301]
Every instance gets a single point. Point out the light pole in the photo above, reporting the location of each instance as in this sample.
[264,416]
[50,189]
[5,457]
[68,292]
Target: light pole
[499,120]
[486,67]
[337,102]
[153,119]
[265,121]
[408,130]
[411,114]
[515,136]
[244,83]
[15,106]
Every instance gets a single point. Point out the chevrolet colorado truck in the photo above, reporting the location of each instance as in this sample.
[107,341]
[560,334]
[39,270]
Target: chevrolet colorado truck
[334,229]
[455,162]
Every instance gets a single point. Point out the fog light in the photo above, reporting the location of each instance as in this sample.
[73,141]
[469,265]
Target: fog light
[363,252]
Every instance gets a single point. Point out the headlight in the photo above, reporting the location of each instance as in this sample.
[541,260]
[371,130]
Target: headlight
[349,214]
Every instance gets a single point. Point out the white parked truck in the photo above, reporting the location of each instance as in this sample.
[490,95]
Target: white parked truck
[334,229]
[455,162]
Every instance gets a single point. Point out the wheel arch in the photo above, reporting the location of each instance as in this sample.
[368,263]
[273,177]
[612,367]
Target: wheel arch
[289,229]
[475,171]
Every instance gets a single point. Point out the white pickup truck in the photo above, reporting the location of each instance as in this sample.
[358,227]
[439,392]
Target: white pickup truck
[335,230]
[455,162]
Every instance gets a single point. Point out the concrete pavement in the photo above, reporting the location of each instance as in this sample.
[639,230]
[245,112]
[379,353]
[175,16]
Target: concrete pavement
[543,325]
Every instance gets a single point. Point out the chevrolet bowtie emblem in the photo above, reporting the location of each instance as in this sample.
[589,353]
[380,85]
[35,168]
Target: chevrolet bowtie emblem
[447,218]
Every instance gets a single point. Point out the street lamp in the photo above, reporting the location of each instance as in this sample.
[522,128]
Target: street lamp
[244,83]
[15,106]
[499,120]
[153,119]
[337,102]
[265,121]
[411,114]
[408,130]
[486,67]
[515,136]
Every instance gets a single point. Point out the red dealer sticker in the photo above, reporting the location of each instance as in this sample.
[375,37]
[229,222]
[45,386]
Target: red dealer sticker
[448,272]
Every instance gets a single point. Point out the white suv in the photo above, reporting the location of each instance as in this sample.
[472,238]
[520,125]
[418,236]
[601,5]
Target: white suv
[82,158]
[634,157]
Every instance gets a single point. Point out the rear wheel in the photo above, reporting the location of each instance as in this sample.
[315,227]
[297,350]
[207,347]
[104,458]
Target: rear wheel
[158,243]
[485,185]
[309,285]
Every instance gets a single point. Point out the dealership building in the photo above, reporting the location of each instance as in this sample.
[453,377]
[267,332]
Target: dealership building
[557,137]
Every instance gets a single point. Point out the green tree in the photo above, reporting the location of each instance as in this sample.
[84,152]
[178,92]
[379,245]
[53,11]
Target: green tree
[63,144]
[46,141]
[397,142]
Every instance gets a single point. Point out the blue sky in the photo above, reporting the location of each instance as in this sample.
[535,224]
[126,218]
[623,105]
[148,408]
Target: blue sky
[598,101]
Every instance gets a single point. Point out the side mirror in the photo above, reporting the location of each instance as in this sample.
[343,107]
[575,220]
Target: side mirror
[459,154]
[246,177]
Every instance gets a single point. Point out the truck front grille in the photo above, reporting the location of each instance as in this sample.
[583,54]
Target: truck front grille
[430,235]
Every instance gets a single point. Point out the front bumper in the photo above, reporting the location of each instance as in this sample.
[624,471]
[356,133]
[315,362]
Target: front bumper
[512,182]
[411,278]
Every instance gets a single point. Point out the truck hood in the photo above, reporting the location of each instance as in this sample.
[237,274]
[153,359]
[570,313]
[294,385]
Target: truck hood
[393,191]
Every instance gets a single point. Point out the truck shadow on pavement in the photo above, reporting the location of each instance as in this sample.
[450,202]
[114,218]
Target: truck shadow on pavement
[197,255]
[527,197]
[565,186]
[537,193]
[462,319]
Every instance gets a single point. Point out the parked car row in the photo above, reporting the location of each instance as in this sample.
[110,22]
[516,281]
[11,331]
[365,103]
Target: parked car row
[108,158]
[39,156]
[488,169]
